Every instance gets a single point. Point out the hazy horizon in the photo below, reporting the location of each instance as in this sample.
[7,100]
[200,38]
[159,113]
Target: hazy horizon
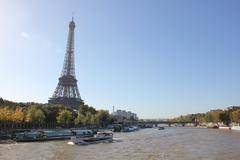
[159,59]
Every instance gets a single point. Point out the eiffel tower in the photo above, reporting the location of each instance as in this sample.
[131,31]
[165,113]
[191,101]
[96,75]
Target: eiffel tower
[67,92]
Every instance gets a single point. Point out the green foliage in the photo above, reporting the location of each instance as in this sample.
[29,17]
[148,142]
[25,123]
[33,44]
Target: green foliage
[85,108]
[200,117]
[65,117]
[215,116]
[236,116]
[225,117]
[48,113]
[102,117]
[52,111]
[186,118]
[208,117]
[89,116]
[80,119]
[1,102]
[35,114]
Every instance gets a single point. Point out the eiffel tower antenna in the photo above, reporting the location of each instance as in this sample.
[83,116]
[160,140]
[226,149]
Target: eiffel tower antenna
[67,92]
[72,15]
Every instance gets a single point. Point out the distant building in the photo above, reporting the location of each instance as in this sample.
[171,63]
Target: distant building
[233,107]
[123,114]
[216,110]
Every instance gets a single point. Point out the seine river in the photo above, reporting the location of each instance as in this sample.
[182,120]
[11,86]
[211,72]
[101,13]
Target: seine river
[146,144]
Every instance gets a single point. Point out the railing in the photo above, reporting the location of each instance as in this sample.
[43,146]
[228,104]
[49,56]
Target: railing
[5,125]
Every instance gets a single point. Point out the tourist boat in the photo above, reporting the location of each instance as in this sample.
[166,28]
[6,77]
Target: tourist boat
[100,137]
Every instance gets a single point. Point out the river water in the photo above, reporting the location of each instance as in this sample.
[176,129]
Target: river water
[146,144]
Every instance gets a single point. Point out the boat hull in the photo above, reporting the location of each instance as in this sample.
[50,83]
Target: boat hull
[47,135]
[226,128]
[235,128]
[92,140]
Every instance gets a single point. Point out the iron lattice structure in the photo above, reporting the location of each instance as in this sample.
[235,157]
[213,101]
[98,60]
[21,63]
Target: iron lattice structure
[67,92]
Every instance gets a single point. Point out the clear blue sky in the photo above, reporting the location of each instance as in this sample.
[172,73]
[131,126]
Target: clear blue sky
[158,58]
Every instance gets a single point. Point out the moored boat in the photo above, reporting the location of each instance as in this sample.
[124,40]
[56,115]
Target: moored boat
[55,134]
[224,127]
[235,128]
[45,135]
[28,136]
[82,133]
[100,137]
[160,128]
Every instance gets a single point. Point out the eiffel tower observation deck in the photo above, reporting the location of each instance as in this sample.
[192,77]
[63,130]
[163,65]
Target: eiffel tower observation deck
[67,92]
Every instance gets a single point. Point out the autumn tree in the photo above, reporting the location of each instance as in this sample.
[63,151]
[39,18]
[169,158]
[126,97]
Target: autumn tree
[18,115]
[6,114]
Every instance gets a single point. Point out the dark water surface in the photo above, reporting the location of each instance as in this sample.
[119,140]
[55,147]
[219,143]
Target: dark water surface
[146,144]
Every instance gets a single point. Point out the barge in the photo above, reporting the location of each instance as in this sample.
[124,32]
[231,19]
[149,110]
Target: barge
[46,135]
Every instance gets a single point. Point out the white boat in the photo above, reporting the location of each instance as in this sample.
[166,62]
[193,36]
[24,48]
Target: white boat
[237,128]
[224,127]
[100,137]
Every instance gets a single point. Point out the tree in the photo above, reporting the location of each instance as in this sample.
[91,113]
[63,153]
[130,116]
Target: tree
[224,117]
[215,115]
[186,118]
[89,118]
[86,119]
[18,115]
[208,117]
[6,114]
[200,117]
[35,114]
[236,116]
[51,112]
[80,119]
[102,117]
[64,117]
[1,101]
[85,108]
